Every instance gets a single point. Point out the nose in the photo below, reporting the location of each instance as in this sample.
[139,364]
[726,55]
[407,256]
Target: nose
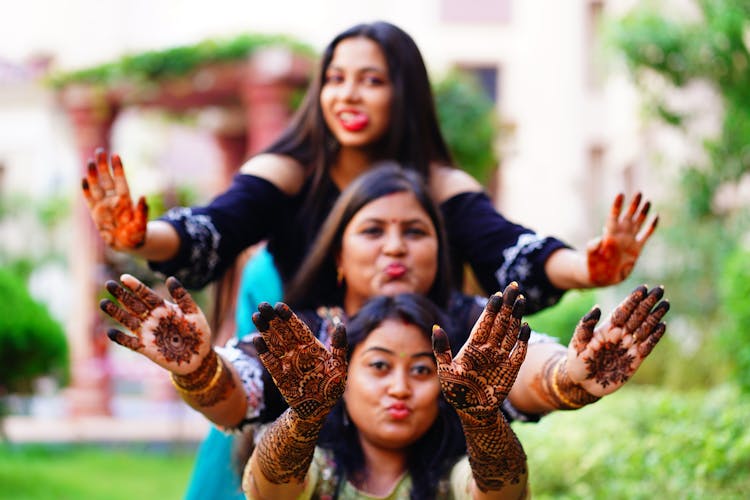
[350,90]
[399,385]
[394,243]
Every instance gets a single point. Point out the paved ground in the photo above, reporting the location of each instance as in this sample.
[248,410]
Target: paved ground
[104,429]
[136,419]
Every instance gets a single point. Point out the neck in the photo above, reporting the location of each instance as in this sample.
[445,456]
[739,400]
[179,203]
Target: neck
[349,164]
[383,469]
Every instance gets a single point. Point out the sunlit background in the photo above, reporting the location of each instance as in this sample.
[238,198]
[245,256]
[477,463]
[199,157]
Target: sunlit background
[561,105]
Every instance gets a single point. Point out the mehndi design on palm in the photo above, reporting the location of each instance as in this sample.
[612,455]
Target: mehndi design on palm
[602,359]
[121,224]
[176,336]
[311,378]
[481,375]
[612,257]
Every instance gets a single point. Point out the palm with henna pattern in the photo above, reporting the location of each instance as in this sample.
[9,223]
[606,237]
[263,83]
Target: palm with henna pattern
[481,375]
[612,256]
[311,378]
[602,359]
[121,224]
[176,336]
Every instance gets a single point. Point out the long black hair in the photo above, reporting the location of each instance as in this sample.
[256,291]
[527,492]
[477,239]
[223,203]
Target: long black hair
[413,137]
[315,283]
[431,456]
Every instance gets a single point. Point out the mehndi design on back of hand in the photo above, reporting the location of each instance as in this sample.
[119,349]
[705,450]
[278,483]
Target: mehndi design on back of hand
[310,378]
[479,379]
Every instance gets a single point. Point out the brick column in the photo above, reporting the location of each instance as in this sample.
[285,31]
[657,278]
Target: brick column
[91,116]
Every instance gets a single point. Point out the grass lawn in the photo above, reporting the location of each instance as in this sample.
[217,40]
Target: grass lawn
[77,472]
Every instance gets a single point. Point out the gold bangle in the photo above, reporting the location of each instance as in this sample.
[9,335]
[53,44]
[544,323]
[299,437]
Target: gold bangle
[556,389]
[201,390]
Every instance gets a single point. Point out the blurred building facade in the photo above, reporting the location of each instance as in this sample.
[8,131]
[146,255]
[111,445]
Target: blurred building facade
[571,133]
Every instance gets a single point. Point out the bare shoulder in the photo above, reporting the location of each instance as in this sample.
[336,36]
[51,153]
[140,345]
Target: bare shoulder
[284,172]
[447,181]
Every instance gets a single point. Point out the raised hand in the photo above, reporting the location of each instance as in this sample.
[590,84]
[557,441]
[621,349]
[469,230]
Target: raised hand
[612,256]
[310,378]
[121,224]
[176,336]
[600,360]
[481,375]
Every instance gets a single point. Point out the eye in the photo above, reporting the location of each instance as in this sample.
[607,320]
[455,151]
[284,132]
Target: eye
[415,232]
[379,365]
[423,370]
[372,231]
[333,78]
[374,81]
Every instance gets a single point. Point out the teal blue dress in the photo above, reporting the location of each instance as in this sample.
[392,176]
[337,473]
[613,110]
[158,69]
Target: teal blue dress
[214,475]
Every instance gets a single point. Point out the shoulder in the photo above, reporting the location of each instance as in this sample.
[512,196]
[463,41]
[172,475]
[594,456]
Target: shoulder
[446,182]
[284,172]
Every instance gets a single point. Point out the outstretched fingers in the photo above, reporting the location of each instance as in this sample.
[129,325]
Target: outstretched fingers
[510,334]
[129,341]
[102,167]
[127,300]
[621,314]
[126,319]
[150,298]
[522,346]
[441,347]
[483,327]
[181,296]
[643,308]
[584,331]
[652,329]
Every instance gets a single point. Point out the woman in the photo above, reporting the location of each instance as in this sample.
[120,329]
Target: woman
[385,231]
[371,100]
[374,408]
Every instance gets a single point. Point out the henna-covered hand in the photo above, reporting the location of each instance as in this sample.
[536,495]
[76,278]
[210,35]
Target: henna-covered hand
[176,336]
[612,256]
[121,224]
[481,375]
[602,359]
[310,378]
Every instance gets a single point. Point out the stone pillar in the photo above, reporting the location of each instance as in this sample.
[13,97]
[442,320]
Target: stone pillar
[91,116]
[272,76]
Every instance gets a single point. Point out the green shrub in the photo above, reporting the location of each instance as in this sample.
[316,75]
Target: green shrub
[469,122]
[560,320]
[734,334]
[643,443]
[32,343]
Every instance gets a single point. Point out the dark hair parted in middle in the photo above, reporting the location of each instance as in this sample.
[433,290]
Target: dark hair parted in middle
[315,283]
[443,443]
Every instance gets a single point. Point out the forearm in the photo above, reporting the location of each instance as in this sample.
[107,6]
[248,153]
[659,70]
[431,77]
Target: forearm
[550,387]
[281,460]
[214,389]
[162,242]
[568,269]
[497,459]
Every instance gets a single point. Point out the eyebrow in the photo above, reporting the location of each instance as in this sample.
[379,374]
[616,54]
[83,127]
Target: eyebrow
[363,69]
[428,354]
[380,220]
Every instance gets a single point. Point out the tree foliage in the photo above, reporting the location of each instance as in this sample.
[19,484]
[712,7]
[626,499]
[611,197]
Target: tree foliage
[710,48]
[32,343]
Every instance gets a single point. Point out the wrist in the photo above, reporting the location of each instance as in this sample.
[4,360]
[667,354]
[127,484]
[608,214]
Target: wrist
[562,391]
[207,384]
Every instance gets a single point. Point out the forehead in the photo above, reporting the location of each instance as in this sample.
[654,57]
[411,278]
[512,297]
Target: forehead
[394,206]
[397,336]
[358,53]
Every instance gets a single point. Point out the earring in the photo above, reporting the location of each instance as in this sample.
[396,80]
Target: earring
[339,276]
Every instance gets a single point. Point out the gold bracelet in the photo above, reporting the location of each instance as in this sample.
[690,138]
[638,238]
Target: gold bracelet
[556,389]
[210,385]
